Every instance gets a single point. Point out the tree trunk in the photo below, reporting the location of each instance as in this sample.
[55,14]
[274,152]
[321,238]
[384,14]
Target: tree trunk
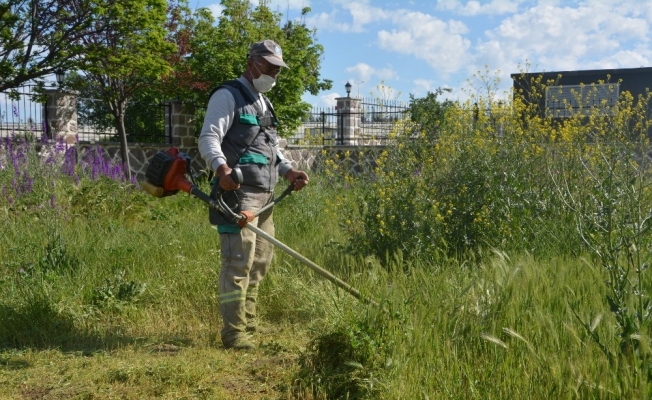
[119,117]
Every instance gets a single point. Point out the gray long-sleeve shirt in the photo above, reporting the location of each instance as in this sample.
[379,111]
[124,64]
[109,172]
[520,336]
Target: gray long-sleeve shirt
[219,118]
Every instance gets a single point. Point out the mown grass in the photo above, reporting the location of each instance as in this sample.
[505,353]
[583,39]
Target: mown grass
[121,302]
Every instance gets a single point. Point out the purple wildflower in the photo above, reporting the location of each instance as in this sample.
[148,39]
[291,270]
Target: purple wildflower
[52,203]
[69,162]
[60,146]
[28,183]
[95,171]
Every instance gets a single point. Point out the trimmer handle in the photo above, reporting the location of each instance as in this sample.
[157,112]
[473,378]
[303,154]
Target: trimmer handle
[236,175]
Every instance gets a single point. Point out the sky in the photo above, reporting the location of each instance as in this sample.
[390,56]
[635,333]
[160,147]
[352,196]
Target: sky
[394,49]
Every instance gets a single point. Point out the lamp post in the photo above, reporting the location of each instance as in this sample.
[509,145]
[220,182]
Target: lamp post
[60,75]
[358,85]
[348,89]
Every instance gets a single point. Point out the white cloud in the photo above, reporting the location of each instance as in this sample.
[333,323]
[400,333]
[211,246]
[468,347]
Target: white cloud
[565,38]
[441,44]
[216,10]
[623,59]
[473,8]
[367,73]
[363,14]
[548,35]
[327,100]
[425,84]
[327,22]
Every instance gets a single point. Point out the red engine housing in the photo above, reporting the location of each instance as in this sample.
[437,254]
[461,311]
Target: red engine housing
[168,169]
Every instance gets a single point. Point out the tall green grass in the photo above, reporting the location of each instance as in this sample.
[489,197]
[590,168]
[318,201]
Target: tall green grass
[451,201]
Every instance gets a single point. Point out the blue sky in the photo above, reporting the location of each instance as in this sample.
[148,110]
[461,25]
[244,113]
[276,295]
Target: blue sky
[418,46]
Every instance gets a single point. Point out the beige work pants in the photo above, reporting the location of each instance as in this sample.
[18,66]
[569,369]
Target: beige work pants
[245,261]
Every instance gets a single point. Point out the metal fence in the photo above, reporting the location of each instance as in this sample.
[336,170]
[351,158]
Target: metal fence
[144,123]
[21,114]
[373,125]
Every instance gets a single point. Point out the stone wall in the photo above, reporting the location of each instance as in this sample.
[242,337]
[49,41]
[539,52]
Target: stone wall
[308,158]
[61,115]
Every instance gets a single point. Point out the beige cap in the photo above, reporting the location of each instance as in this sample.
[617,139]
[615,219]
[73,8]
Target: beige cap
[270,51]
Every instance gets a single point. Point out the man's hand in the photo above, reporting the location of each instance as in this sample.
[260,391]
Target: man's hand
[299,179]
[226,182]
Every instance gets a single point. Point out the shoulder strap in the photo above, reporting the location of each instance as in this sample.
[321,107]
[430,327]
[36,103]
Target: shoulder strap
[270,108]
[235,84]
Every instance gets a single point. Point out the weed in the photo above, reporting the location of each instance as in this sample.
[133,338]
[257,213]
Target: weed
[117,291]
[57,258]
[346,363]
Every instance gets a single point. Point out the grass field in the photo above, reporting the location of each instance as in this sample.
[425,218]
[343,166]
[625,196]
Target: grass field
[115,297]
[504,269]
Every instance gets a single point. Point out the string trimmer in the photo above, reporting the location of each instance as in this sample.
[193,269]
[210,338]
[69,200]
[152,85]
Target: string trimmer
[167,174]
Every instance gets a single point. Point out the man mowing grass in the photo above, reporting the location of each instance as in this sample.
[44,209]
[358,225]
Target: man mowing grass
[240,131]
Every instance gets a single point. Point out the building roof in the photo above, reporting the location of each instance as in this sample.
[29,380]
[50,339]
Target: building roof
[613,71]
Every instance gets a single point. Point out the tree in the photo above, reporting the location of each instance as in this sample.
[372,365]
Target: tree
[303,56]
[429,113]
[184,81]
[209,53]
[240,26]
[127,55]
[37,37]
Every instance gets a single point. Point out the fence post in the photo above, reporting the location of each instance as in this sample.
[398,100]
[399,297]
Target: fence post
[180,124]
[60,114]
[348,122]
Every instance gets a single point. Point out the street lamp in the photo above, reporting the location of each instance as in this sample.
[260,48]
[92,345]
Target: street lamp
[60,75]
[358,83]
[348,89]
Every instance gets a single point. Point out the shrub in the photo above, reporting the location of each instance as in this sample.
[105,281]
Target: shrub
[347,362]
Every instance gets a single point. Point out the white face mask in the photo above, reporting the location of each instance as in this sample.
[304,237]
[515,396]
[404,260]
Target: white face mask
[264,83]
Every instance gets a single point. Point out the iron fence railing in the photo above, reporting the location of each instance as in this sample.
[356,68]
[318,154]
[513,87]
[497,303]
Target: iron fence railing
[371,126]
[20,114]
[144,123]
[23,113]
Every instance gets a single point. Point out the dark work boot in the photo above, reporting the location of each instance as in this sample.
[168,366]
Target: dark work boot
[233,332]
[240,343]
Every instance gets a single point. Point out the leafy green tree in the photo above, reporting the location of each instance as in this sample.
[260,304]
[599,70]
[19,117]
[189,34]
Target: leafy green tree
[37,37]
[184,81]
[303,56]
[128,55]
[429,112]
[211,51]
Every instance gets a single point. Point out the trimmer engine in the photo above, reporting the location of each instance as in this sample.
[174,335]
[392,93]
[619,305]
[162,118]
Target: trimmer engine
[166,173]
